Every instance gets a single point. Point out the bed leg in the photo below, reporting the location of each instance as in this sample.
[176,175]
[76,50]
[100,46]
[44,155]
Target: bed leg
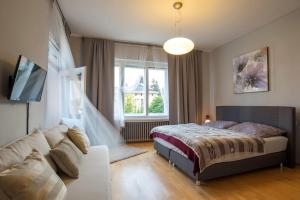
[173,164]
[198,182]
[157,152]
[281,167]
[170,162]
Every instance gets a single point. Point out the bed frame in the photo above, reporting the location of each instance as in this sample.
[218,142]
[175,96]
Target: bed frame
[281,117]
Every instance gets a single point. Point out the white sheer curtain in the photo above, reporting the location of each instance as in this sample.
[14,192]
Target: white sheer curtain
[152,56]
[60,61]
[64,88]
[118,107]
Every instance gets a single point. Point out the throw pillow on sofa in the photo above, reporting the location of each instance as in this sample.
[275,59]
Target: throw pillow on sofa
[14,153]
[32,179]
[80,139]
[67,157]
[55,135]
[38,141]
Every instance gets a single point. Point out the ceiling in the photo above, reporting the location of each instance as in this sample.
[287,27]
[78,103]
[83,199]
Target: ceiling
[209,23]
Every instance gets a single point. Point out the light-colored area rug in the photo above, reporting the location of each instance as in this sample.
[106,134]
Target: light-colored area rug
[123,152]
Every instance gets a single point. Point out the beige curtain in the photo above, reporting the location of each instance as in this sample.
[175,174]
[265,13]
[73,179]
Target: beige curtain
[98,56]
[185,88]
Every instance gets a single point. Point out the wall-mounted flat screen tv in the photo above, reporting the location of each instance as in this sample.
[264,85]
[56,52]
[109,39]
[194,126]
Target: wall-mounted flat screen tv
[28,81]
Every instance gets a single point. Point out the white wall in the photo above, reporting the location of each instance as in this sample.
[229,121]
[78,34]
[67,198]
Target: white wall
[206,85]
[24,30]
[283,39]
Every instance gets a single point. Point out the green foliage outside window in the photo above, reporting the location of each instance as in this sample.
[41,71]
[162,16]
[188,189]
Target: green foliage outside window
[157,105]
[130,105]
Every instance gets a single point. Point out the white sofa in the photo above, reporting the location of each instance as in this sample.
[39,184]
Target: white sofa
[94,180]
[94,174]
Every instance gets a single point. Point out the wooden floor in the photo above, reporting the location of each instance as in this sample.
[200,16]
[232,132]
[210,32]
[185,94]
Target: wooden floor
[149,176]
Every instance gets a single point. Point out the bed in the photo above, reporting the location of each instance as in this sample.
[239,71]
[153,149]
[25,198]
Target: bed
[277,151]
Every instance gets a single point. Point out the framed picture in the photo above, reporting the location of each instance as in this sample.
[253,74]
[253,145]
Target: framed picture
[250,72]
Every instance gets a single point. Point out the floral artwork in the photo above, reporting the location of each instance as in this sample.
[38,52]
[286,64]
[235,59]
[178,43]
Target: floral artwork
[251,72]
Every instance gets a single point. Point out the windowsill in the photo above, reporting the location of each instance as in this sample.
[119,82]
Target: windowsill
[146,118]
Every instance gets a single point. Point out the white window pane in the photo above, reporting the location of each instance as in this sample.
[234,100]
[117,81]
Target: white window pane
[134,91]
[157,79]
[73,86]
[134,80]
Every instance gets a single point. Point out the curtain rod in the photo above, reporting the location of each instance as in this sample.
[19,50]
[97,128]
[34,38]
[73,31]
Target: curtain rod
[118,41]
[59,9]
[137,43]
[64,20]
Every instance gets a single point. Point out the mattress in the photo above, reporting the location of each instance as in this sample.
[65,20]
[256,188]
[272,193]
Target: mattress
[271,145]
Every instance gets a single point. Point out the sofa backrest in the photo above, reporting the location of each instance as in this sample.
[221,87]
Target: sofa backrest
[56,134]
[16,152]
[13,154]
[41,140]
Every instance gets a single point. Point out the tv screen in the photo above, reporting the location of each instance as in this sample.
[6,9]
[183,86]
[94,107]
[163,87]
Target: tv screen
[28,81]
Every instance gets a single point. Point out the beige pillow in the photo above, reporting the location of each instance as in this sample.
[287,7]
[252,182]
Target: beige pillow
[8,157]
[84,134]
[38,141]
[67,157]
[21,147]
[80,139]
[32,179]
[55,135]
[13,154]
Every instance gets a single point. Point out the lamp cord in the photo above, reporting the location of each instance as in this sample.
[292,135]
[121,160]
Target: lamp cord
[177,22]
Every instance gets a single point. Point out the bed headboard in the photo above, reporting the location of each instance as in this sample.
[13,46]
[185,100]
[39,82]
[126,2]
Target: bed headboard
[281,117]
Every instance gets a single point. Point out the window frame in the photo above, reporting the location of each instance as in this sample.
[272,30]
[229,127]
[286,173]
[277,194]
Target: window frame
[146,66]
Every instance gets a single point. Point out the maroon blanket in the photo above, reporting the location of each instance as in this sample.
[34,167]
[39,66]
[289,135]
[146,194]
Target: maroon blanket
[180,145]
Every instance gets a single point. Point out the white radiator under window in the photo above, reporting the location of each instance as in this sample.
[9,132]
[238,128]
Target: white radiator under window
[139,131]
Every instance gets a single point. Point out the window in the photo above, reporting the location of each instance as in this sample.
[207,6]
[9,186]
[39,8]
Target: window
[73,86]
[66,87]
[144,88]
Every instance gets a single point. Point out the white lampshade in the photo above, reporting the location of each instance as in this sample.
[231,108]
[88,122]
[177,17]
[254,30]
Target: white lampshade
[178,46]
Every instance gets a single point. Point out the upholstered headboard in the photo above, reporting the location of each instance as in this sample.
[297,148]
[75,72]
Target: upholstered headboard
[281,117]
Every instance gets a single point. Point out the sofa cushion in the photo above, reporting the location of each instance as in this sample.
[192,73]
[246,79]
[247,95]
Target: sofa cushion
[94,178]
[56,134]
[67,157]
[38,141]
[32,179]
[21,147]
[8,157]
[80,139]
[13,154]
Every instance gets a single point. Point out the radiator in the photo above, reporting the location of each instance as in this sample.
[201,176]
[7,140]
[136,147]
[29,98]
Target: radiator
[139,131]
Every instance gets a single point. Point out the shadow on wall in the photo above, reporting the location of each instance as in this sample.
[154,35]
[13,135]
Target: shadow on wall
[6,70]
